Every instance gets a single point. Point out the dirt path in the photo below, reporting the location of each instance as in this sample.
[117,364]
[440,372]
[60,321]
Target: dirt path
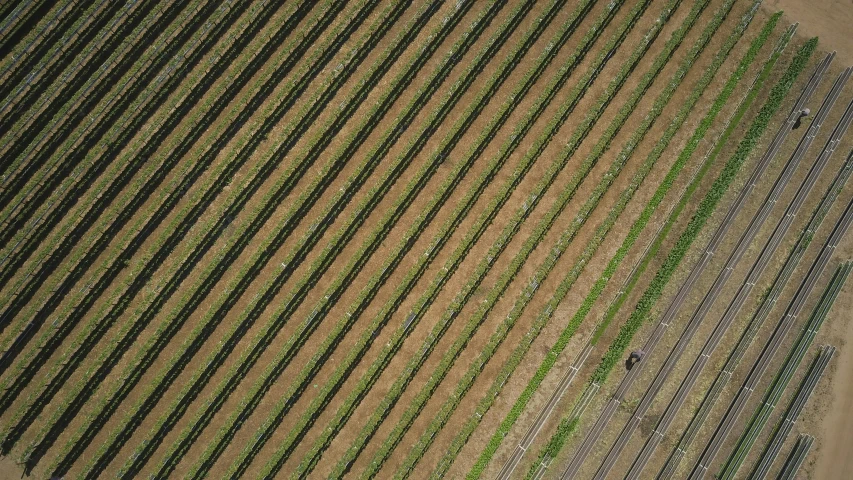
[828,19]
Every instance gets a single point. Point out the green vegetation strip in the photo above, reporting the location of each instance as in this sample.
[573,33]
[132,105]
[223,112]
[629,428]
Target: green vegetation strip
[566,195]
[704,211]
[367,293]
[275,367]
[118,249]
[252,266]
[786,373]
[446,410]
[562,290]
[251,354]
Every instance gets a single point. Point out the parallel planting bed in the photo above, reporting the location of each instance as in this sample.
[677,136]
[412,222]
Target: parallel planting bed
[389,239]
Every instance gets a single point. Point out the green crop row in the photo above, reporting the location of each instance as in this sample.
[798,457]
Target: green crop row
[26,286]
[90,241]
[19,242]
[36,145]
[478,228]
[37,35]
[794,69]
[447,409]
[268,332]
[21,101]
[543,318]
[199,334]
[706,208]
[34,61]
[786,372]
[54,285]
[550,359]
[567,193]
[72,70]
[282,359]
[176,196]
[462,207]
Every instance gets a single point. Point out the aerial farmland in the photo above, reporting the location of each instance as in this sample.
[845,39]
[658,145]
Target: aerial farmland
[435,239]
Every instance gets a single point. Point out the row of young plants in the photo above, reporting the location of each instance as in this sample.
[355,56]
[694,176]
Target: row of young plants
[18,21]
[35,44]
[28,237]
[242,366]
[46,73]
[252,353]
[40,314]
[16,17]
[542,319]
[77,63]
[269,167]
[569,422]
[119,298]
[68,237]
[114,121]
[415,272]
[24,167]
[366,295]
[768,301]
[487,262]
[138,197]
[706,208]
[464,385]
[52,117]
[170,328]
[663,188]
[23,246]
[785,373]
[135,198]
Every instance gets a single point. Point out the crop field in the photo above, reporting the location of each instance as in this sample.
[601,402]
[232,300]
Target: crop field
[390,239]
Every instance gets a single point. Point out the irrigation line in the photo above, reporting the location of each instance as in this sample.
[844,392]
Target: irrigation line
[737,302]
[794,409]
[757,321]
[771,347]
[616,400]
[575,366]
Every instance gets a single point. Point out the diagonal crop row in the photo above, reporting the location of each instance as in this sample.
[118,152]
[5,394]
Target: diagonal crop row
[269,331]
[36,43]
[463,207]
[135,198]
[215,269]
[22,100]
[244,143]
[84,257]
[541,321]
[367,294]
[250,355]
[82,177]
[486,263]
[102,41]
[36,136]
[707,205]
[562,290]
[768,302]
[568,235]
[785,373]
[177,237]
[20,18]
[117,122]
